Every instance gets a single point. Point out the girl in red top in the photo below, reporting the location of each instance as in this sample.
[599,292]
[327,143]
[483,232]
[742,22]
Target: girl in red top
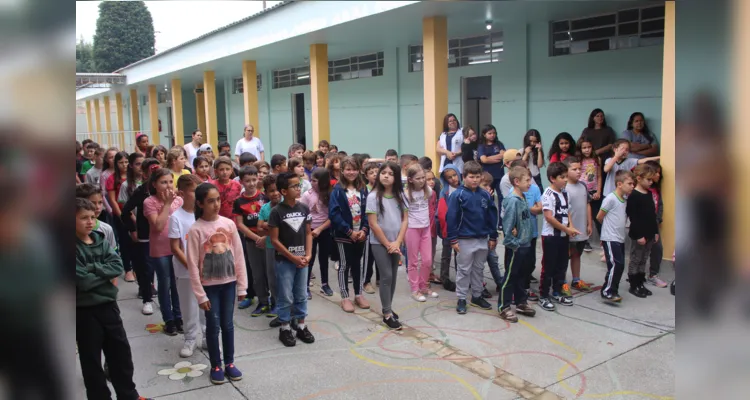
[114,181]
[562,147]
[229,190]
[334,168]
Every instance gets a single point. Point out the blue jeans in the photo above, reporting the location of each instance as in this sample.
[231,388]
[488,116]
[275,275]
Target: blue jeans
[169,300]
[291,288]
[494,263]
[221,298]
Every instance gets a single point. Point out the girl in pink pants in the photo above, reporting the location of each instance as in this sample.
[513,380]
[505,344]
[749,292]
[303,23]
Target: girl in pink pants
[418,236]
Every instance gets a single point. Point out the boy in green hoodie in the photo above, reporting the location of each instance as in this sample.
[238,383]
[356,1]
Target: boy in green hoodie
[97,315]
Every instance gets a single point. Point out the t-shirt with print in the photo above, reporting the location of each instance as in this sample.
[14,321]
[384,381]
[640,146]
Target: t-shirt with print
[419,210]
[613,225]
[556,202]
[352,197]
[578,196]
[496,170]
[263,215]
[625,165]
[248,207]
[292,222]
[159,240]
[389,220]
[590,174]
[227,194]
[93,175]
[179,226]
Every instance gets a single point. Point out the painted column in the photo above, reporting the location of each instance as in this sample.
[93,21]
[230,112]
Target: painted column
[153,114]
[321,124]
[249,94]
[209,100]
[667,145]
[435,67]
[108,124]
[135,120]
[740,138]
[98,121]
[89,122]
[200,111]
[119,120]
[179,129]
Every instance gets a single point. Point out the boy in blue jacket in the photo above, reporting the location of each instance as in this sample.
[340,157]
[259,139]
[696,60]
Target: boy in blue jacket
[471,220]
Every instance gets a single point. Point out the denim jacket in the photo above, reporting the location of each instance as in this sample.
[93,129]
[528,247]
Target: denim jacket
[341,215]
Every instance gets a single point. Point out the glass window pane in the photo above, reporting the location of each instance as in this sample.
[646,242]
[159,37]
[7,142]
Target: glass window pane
[654,25]
[559,37]
[627,42]
[474,41]
[368,65]
[593,22]
[560,26]
[368,57]
[627,15]
[453,43]
[599,33]
[652,12]
[344,68]
[628,29]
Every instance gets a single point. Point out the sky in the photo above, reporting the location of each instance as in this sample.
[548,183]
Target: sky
[195,18]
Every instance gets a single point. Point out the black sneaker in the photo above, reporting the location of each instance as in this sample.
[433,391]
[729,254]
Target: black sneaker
[170,328]
[481,303]
[449,285]
[275,323]
[611,297]
[305,336]
[645,290]
[326,290]
[486,293]
[546,304]
[394,314]
[392,323]
[636,291]
[287,338]
[562,300]
[461,306]
[178,324]
[587,247]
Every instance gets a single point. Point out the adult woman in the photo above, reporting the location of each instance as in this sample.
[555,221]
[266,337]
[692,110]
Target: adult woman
[192,147]
[642,142]
[602,136]
[449,143]
[249,144]
[469,147]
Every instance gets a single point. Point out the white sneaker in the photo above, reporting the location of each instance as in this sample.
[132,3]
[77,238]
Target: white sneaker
[187,349]
[148,308]
[418,297]
[434,295]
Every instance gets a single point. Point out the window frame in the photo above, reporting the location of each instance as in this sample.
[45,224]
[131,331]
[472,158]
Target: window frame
[297,76]
[238,86]
[353,64]
[455,51]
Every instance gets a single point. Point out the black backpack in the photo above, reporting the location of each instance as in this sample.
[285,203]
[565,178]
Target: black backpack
[671,288]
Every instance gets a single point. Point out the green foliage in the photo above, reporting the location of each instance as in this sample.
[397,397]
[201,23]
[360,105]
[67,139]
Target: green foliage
[85,57]
[124,34]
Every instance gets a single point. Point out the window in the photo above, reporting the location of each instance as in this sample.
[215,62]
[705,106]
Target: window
[164,97]
[238,85]
[482,49]
[624,29]
[365,66]
[298,76]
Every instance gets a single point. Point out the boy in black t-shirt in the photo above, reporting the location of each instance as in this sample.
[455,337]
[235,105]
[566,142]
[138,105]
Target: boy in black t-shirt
[289,225]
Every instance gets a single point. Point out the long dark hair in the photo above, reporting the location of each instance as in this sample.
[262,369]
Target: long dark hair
[445,122]
[106,165]
[555,148]
[591,123]
[200,196]
[358,182]
[657,167]
[155,175]
[132,158]
[397,189]
[324,184]
[119,156]
[527,142]
[646,132]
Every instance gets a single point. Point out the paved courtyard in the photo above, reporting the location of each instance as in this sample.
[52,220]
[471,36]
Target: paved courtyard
[590,350]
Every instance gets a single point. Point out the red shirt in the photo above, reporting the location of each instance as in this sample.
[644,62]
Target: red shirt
[227,194]
[114,185]
[558,157]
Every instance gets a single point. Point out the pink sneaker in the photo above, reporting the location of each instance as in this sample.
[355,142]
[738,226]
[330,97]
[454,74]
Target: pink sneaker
[656,281]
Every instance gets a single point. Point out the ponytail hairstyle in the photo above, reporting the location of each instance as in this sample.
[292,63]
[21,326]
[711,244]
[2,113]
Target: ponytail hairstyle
[155,175]
[132,158]
[358,182]
[397,189]
[200,197]
[324,184]
[411,172]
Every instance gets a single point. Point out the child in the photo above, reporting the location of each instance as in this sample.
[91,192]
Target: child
[613,217]
[426,163]
[162,203]
[278,164]
[316,199]
[274,197]
[296,150]
[88,155]
[160,153]
[493,261]
[180,223]
[133,180]
[246,212]
[334,168]
[142,145]
[591,172]
[206,151]
[644,229]
[289,226]
[579,211]
[407,160]
[509,158]
[391,155]
[217,273]
[91,193]
[323,146]
[556,229]
[320,159]
[245,160]
[176,163]
[264,169]
[620,162]
[387,216]
[516,237]
[230,190]
[370,170]
[471,220]
[470,145]
[108,168]
[418,239]
[348,200]
[491,153]
[562,147]
[333,149]
[98,323]
[95,170]
[533,154]
[297,167]
[657,250]
[430,178]
[451,180]
[202,168]
[114,181]
[224,146]
[309,160]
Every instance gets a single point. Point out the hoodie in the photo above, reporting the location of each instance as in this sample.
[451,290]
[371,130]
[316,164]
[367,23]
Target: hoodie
[441,226]
[96,265]
[517,216]
[471,215]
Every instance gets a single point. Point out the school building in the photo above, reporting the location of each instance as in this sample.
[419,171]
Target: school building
[374,75]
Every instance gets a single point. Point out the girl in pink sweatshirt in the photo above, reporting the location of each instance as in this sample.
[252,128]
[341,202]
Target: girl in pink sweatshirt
[216,264]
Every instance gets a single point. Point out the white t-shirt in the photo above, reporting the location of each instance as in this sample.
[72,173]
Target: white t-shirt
[192,152]
[252,146]
[556,202]
[179,224]
[419,210]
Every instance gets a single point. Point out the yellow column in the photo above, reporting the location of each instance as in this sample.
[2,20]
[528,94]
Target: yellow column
[89,123]
[321,124]
[209,100]
[179,130]
[98,121]
[119,120]
[200,110]
[250,93]
[741,140]
[108,124]
[153,113]
[667,131]
[435,67]
[135,120]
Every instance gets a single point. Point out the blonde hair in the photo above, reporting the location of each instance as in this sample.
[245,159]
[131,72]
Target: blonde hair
[517,172]
[644,171]
[411,172]
[173,155]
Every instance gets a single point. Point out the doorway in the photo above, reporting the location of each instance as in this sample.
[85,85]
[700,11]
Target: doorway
[476,102]
[298,119]
[170,133]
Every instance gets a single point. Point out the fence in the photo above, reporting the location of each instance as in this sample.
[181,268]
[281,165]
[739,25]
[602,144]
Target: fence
[125,142]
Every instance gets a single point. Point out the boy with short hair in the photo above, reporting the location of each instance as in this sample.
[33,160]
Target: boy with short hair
[391,155]
[451,181]
[246,159]
[224,146]
[308,160]
[556,229]
[580,215]
[95,171]
[88,155]
[228,189]
[289,225]
[426,163]
[332,148]
[323,146]
[471,220]
[246,214]
[274,197]
[93,193]
[493,261]
[296,150]
[278,164]
[207,151]
[620,162]
[613,217]
[98,323]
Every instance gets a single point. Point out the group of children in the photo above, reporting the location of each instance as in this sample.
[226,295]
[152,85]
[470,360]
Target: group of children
[244,228]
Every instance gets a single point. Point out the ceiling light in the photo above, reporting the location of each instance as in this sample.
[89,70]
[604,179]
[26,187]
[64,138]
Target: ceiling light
[489,25]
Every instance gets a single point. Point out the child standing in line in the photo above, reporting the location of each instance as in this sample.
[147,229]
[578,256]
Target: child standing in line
[493,261]
[133,180]
[180,223]
[94,173]
[217,273]
[274,197]
[278,164]
[108,168]
[348,200]
[176,163]
[112,185]
[516,237]
[657,250]
[370,170]
[579,212]
[430,179]
[264,169]
[591,173]
[246,159]
[451,180]
[246,212]
[316,199]
[471,220]
[533,154]
[387,214]
[562,147]
[644,229]
[320,159]
[556,231]
[230,190]
[92,193]
[88,156]
[308,161]
[291,236]
[202,168]
[613,217]
[620,162]
[323,146]
[297,167]
[491,153]
[418,240]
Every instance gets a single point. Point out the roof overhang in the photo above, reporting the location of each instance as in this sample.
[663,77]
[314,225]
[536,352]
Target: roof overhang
[99,80]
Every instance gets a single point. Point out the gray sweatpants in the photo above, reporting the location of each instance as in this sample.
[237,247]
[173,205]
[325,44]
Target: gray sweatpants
[387,265]
[639,255]
[471,258]
[271,271]
[257,259]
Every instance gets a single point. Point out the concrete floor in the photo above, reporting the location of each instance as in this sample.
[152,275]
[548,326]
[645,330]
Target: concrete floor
[589,350]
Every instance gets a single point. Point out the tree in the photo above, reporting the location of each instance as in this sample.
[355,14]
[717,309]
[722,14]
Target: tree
[85,56]
[124,34]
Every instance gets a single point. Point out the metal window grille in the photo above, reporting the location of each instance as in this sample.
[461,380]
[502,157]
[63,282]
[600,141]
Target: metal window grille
[487,48]
[297,76]
[238,85]
[364,66]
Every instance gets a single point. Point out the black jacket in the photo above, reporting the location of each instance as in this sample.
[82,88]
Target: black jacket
[140,194]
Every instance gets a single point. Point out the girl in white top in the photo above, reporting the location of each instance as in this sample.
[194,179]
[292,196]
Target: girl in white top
[418,237]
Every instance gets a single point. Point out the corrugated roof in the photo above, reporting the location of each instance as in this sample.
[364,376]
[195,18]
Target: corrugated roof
[243,20]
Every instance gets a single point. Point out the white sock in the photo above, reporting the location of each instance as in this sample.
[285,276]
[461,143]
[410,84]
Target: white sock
[300,326]
[286,327]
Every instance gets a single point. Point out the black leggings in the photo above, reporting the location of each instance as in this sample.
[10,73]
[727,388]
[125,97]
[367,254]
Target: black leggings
[351,260]
[595,206]
[370,262]
[322,246]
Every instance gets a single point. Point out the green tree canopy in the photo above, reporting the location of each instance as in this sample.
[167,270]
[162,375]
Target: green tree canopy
[85,56]
[124,34]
